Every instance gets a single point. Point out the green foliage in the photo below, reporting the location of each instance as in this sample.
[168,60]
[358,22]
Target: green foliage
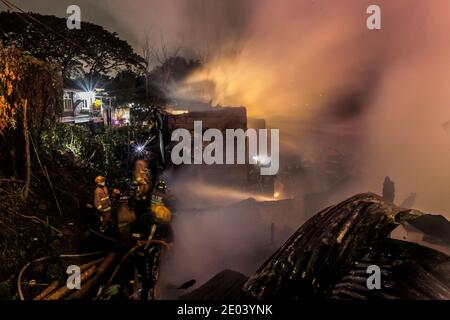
[74,141]
[93,46]
[104,153]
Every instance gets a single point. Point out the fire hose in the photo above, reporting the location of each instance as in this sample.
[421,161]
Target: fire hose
[132,250]
[22,271]
[88,271]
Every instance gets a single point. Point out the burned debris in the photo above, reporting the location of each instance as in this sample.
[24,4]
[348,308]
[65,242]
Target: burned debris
[328,257]
[408,271]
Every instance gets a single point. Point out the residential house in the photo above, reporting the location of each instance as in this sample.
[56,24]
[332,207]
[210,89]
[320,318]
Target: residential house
[93,107]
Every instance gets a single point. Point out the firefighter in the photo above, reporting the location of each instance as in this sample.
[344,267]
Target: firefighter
[158,208]
[140,196]
[141,172]
[102,202]
[156,216]
[115,204]
[141,189]
[389,190]
[154,224]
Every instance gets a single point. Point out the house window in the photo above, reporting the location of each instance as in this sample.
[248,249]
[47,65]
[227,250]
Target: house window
[84,105]
[68,106]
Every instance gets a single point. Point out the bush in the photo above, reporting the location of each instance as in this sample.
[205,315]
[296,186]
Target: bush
[101,153]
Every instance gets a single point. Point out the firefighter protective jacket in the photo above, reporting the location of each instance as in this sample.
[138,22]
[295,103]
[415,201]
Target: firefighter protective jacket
[101,199]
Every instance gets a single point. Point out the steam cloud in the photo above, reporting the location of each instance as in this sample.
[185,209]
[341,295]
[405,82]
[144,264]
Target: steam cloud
[313,69]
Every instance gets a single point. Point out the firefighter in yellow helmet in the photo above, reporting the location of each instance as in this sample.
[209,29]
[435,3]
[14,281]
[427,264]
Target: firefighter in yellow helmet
[142,178]
[141,169]
[159,210]
[156,216]
[154,224]
[140,195]
[102,202]
[141,188]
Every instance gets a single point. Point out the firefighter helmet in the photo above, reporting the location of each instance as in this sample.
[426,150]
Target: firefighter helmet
[100,180]
[140,181]
[161,186]
[116,192]
[161,213]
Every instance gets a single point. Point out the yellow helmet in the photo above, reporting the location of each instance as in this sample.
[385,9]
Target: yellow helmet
[161,213]
[100,179]
[116,192]
[140,181]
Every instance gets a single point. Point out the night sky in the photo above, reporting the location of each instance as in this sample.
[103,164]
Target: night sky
[175,20]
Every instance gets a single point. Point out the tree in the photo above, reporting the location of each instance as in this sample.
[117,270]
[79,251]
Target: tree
[173,69]
[30,100]
[163,67]
[130,87]
[151,88]
[23,77]
[89,51]
[8,108]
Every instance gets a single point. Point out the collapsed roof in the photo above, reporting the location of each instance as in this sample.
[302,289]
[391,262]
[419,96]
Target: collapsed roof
[328,256]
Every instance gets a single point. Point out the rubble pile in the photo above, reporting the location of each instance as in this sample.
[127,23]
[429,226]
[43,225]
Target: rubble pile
[328,257]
